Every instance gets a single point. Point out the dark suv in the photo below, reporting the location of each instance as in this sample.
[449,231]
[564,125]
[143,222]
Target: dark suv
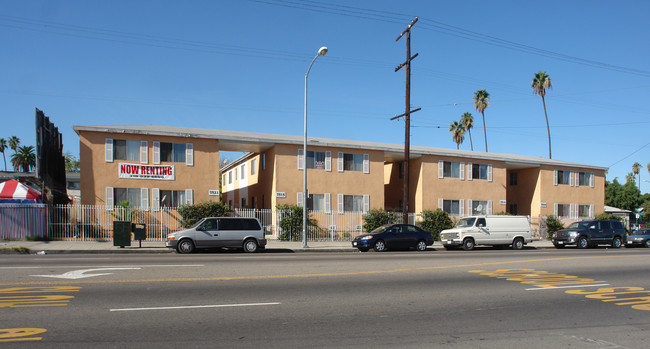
[591,233]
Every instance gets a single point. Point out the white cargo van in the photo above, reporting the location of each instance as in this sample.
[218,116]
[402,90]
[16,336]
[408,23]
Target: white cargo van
[488,230]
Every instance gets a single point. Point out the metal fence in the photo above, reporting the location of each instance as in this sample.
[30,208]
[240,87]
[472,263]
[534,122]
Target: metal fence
[86,222]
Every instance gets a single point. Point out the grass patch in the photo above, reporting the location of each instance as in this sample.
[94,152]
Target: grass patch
[14,250]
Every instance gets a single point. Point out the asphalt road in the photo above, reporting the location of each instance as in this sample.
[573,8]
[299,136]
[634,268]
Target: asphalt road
[597,298]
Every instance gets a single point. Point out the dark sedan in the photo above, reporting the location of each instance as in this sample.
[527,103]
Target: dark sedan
[639,238]
[394,236]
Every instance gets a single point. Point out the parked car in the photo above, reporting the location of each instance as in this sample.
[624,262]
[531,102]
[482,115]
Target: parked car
[494,230]
[394,236]
[219,232]
[639,238]
[591,233]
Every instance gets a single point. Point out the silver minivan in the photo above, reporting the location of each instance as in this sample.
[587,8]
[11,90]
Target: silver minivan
[219,232]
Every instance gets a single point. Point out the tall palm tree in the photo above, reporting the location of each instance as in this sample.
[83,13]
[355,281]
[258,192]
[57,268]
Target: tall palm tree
[14,143]
[24,158]
[481,101]
[540,83]
[468,122]
[3,146]
[636,169]
[457,132]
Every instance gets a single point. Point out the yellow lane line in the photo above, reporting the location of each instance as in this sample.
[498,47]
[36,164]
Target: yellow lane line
[295,276]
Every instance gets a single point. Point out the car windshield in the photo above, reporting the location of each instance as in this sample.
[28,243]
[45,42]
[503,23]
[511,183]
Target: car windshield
[380,229]
[579,225]
[197,223]
[465,222]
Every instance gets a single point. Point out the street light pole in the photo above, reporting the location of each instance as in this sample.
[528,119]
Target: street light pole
[321,52]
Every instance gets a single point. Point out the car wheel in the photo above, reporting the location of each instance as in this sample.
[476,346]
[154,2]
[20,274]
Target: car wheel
[380,246]
[421,246]
[250,246]
[468,244]
[647,243]
[185,246]
[583,242]
[518,244]
[616,243]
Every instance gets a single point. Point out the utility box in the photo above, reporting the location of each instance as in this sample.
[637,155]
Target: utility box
[121,233]
[139,232]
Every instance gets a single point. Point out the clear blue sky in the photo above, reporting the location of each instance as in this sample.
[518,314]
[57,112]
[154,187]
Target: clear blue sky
[240,65]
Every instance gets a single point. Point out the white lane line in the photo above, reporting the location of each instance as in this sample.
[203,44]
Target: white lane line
[105,266]
[557,287]
[198,306]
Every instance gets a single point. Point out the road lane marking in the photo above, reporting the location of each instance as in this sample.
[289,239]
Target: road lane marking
[105,266]
[81,274]
[293,276]
[20,334]
[557,287]
[198,306]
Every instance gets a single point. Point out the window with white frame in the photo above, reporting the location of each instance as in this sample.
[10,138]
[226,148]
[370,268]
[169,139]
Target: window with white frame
[243,171]
[585,211]
[316,160]
[253,166]
[563,210]
[172,152]
[451,169]
[172,198]
[316,202]
[452,207]
[230,177]
[479,171]
[130,195]
[353,203]
[563,177]
[352,162]
[586,179]
[479,207]
[126,150]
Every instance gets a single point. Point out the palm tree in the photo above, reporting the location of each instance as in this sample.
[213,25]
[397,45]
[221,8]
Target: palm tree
[481,101]
[457,132]
[540,83]
[24,158]
[636,169]
[14,142]
[468,122]
[3,146]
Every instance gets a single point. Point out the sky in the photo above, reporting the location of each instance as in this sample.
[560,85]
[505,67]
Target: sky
[240,66]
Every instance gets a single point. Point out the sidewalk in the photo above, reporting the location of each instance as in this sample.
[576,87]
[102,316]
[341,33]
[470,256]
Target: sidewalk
[106,246]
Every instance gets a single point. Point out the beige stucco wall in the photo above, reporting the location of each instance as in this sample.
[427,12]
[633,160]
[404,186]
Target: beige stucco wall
[551,194]
[97,174]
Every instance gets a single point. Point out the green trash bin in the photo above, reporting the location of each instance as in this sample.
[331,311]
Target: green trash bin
[139,232]
[121,233]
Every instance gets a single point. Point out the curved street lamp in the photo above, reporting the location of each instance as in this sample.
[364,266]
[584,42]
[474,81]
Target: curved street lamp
[321,52]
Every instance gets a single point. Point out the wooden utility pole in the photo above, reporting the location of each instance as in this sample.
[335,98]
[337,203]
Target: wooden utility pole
[407,117]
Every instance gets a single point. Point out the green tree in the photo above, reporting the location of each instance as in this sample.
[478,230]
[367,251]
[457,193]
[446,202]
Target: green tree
[553,224]
[190,214]
[457,133]
[375,218]
[468,121]
[540,83]
[124,212]
[626,196]
[291,222]
[481,102]
[636,169]
[72,164]
[14,142]
[435,222]
[3,147]
[24,158]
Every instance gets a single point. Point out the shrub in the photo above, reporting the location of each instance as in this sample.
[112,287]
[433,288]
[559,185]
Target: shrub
[435,222]
[190,214]
[608,216]
[374,219]
[553,224]
[291,222]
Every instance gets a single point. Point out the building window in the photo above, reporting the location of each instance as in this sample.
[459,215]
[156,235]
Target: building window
[73,185]
[479,171]
[253,166]
[253,202]
[126,150]
[172,152]
[479,208]
[172,198]
[513,178]
[584,211]
[451,169]
[563,210]
[243,202]
[452,207]
[352,162]
[243,171]
[263,162]
[401,170]
[585,178]
[230,177]
[130,195]
[316,202]
[353,203]
[513,209]
[564,177]
[316,160]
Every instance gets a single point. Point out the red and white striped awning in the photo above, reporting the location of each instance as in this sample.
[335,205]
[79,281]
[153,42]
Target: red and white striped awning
[14,190]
